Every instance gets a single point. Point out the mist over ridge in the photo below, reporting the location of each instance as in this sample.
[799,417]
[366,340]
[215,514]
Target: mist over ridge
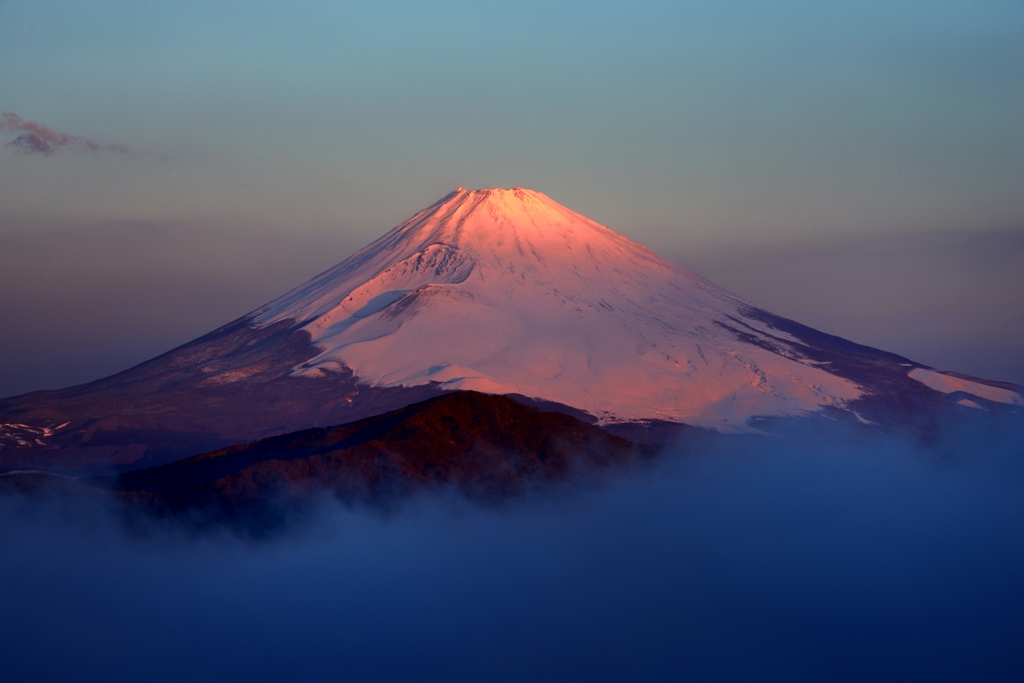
[813,554]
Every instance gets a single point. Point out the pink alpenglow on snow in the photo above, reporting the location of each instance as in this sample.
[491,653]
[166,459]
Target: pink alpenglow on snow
[507,291]
[948,384]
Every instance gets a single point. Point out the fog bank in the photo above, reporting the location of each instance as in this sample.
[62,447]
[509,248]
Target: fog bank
[805,557]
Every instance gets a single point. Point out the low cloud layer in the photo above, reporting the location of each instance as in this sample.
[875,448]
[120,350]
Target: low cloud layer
[815,555]
[35,138]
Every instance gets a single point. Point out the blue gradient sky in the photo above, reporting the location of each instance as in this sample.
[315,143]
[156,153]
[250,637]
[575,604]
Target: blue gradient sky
[691,127]
[667,119]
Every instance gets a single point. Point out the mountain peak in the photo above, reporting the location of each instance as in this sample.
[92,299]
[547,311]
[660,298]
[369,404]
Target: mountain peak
[506,291]
[517,192]
[496,208]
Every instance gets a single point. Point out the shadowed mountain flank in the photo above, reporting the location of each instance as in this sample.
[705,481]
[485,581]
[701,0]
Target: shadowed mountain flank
[892,398]
[234,384]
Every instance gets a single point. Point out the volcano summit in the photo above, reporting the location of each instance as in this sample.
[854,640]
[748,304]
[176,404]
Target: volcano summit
[501,292]
[508,292]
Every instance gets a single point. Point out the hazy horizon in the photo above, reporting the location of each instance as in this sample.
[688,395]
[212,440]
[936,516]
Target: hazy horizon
[92,298]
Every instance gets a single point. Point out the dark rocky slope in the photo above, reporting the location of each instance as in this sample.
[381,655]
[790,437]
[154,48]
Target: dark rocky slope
[484,446]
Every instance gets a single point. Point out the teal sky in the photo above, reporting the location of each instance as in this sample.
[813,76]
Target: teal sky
[669,121]
[800,154]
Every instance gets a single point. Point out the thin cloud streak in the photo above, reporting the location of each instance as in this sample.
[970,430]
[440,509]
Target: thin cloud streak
[35,138]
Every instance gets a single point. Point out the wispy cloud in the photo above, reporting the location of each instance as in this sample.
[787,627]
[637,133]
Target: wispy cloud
[35,138]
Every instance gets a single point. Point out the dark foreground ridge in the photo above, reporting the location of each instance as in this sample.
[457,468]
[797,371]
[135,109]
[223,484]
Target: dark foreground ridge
[485,446]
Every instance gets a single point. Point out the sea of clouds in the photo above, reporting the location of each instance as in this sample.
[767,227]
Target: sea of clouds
[819,554]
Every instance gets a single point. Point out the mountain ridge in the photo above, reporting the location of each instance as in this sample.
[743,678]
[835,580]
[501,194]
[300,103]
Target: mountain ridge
[500,291]
[486,446]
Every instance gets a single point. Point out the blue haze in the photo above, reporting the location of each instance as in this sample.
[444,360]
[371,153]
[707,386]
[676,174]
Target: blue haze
[816,556]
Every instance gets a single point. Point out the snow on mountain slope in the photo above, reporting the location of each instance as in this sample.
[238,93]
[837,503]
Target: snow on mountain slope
[506,291]
[948,384]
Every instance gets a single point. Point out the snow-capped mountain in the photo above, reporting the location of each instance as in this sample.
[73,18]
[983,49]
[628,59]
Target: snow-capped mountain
[506,291]
[499,291]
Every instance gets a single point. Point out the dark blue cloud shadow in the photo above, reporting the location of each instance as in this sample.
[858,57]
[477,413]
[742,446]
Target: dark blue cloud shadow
[804,557]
